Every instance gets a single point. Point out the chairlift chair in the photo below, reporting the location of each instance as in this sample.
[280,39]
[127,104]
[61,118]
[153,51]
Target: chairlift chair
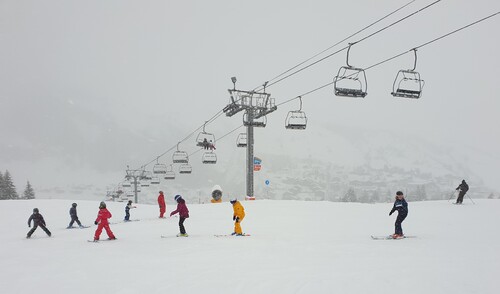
[145,183]
[204,137]
[209,158]
[146,175]
[296,119]
[159,168]
[257,122]
[241,141]
[155,180]
[408,83]
[126,184]
[180,156]
[185,169]
[350,81]
[169,174]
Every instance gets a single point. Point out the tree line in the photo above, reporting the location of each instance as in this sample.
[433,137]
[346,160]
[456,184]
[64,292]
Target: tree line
[8,189]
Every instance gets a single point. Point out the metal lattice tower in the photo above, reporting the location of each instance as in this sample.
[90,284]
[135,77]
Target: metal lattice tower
[135,175]
[256,106]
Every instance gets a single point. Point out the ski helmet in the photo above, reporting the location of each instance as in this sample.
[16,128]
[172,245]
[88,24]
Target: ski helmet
[233,201]
[399,193]
[35,210]
[102,205]
[74,204]
[177,197]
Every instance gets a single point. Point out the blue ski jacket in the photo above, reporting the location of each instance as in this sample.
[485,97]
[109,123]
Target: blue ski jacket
[401,206]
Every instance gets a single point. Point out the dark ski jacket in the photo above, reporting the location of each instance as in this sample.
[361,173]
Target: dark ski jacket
[463,187]
[401,206]
[181,209]
[37,219]
[72,212]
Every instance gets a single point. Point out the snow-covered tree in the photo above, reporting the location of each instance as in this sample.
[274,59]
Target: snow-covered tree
[349,196]
[2,189]
[8,187]
[29,193]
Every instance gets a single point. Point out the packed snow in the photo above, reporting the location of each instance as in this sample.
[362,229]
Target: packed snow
[294,247]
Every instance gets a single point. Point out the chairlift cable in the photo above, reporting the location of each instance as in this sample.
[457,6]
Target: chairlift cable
[396,56]
[346,47]
[339,42]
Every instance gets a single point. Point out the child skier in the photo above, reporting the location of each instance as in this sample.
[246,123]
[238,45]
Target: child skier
[37,221]
[74,217]
[102,222]
[127,210]
[161,203]
[183,214]
[238,215]
[402,207]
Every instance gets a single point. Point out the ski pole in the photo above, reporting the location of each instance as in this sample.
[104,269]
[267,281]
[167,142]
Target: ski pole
[452,195]
[471,199]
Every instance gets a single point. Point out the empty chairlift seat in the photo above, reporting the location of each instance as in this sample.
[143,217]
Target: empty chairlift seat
[180,157]
[408,83]
[159,169]
[155,180]
[241,141]
[350,82]
[297,119]
[185,169]
[169,174]
[209,158]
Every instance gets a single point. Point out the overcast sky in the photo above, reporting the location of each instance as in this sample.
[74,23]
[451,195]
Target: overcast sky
[90,86]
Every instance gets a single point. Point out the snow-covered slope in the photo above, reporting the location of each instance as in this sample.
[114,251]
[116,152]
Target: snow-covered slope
[295,247]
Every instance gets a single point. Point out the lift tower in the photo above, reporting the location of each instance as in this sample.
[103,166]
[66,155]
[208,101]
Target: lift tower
[134,175]
[256,106]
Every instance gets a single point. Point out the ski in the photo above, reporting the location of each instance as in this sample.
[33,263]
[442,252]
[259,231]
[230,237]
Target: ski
[82,227]
[229,235]
[97,241]
[178,235]
[390,237]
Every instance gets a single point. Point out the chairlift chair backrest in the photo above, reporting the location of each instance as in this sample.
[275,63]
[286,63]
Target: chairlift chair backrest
[180,157]
[155,180]
[241,141]
[296,120]
[209,158]
[257,122]
[170,175]
[159,169]
[185,169]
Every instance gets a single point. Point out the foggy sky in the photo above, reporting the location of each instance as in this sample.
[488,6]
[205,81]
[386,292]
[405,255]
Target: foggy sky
[87,87]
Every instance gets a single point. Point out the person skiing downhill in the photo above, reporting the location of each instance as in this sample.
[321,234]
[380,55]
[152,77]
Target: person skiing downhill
[402,207]
[238,216]
[127,210]
[74,217]
[161,203]
[183,214]
[462,188]
[102,222]
[38,221]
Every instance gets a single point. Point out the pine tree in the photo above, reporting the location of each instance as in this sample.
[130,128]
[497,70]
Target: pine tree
[9,189]
[350,196]
[2,188]
[29,193]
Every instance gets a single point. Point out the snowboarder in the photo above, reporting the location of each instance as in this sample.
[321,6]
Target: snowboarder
[38,221]
[161,203]
[238,216]
[402,207]
[462,188]
[74,217]
[102,222]
[127,210]
[183,214]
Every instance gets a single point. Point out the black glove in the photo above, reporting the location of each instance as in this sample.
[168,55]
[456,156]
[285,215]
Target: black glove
[390,213]
[29,226]
[234,217]
[95,223]
[237,219]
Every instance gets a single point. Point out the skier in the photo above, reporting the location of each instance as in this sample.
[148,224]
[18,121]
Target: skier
[37,221]
[127,210]
[402,207]
[74,217]
[238,216]
[102,222]
[462,188]
[205,144]
[183,214]
[161,203]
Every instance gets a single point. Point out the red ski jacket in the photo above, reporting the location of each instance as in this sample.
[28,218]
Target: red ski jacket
[161,200]
[103,215]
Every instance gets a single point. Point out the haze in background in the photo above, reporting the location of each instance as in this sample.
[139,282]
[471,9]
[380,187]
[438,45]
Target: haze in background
[87,88]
